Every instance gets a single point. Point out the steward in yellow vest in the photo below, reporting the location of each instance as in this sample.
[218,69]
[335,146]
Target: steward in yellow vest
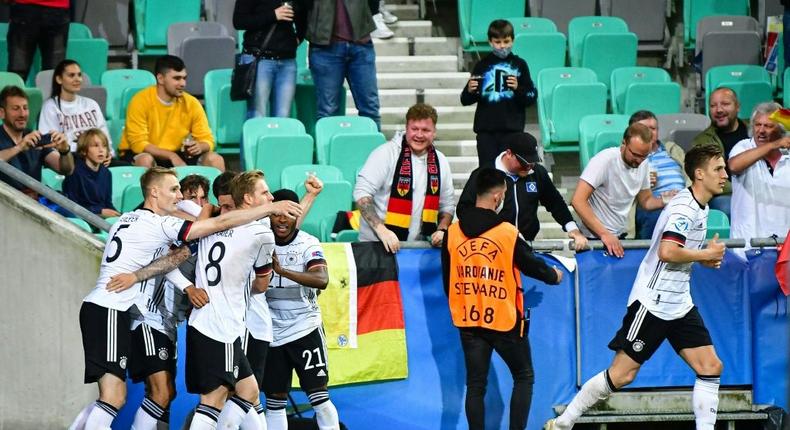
[482,261]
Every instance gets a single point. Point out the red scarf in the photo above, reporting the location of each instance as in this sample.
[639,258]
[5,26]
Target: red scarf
[399,206]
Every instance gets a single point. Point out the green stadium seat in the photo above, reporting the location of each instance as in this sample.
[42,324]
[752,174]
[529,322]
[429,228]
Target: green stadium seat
[752,85]
[342,236]
[207,172]
[293,176]
[531,25]
[622,77]
[657,97]
[126,97]
[115,127]
[565,96]
[78,30]
[225,117]
[605,52]
[4,54]
[348,152]
[474,16]
[597,132]
[10,78]
[112,220]
[132,197]
[274,153]
[541,51]
[117,80]
[581,26]
[3,30]
[786,86]
[694,10]
[81,223]
[122,178]
[153,17]
[102,236]
[718,223]
[35,101]
[91,54]
[327,127]
[347,236]
[254,128]
[52,179]
[335,197]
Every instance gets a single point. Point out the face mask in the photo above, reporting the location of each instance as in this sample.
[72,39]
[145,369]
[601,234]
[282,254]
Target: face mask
[502,52]
[501,204]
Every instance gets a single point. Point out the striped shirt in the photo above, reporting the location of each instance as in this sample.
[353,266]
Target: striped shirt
[669,176]
[663,288]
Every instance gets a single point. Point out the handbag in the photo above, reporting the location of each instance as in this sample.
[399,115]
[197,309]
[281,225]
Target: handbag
[242,80]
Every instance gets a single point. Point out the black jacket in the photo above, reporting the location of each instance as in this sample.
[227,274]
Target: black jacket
[496,111]
[257,17]
[522,211]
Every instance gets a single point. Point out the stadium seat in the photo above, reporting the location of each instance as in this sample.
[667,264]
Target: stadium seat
[35,101]
[254,128]
[126,98]
[91,54]
[193,52]
[348,152]
[328,223]
[334,197]
[645,18]
[653,96]
[122,178]
[225,117]
[718,223]
[207,172]
[180,31]
[132,196]
[3,30]
[98,94]
[562,11]
[3,54]
[10,78]
[81,223]
[52,179]
[43,82]
[106,19]
[151,22]
[752,85]
[327,127]
[541,51]
[474,16]
[531,24]
[597,132]
[565,96]
[293,176]
[275,153]
[727,48]
[347,236]
[581,26]
[605,52]
[78,30]
[686,123]
[115,127]
[694,10]
[221,11]
[116,81]
[624,76]
[723,23]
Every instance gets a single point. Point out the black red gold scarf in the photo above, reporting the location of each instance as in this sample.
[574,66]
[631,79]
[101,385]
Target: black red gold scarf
[399,206]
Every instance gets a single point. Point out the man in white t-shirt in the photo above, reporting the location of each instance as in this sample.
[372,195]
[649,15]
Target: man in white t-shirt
[608,186]
[215,361]
[134,241]
[760,169]
[660,306]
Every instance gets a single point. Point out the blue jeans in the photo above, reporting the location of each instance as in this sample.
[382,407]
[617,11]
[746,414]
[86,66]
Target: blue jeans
[646,222]
[275,87]
[331,64]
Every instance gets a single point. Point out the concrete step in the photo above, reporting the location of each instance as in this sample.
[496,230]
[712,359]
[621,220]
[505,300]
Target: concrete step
[392,80]
[412,28]
[665,402]
[419,46]
[417,63]
[397,115]
[453,148]
[408,96]
[404,11]
[462,164]
[446,131]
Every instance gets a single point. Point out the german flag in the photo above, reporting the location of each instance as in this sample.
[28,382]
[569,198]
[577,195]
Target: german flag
[363,272]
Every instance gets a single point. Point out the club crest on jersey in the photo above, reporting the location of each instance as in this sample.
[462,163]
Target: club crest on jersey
[638,345]
[162,354]
[235,371]
[434,184]
[122,362]
[404,184]
[681,225]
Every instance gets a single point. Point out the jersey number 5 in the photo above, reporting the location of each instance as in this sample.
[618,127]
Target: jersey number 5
[213,262]
[118,244]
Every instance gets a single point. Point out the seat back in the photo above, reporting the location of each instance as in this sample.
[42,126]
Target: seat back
[10,78]
[193,52]
[52,179]
[131,197]
[717,76]
[683,138]
[348,152]
[604,52]
[581,26]
[78,30]
[98,94]
[91,54]
[667,123]
[275,153]
[108,19]
[737,47]
[327,127]
[724,24]
[293,176]
[561,12]
[126,97]
[152,23]
[541,50]
[335,196]
[750,94]
[117,80]
[44,82]
[532,24]
[122,178]
[598,132]
[35,101]
[647,18]
[657,97]
[695,10]
[178,32]
[572,102]
[81,223]
[622,77]
[548,80]
[718,223]
[254,128]
[225,116]
[476,15]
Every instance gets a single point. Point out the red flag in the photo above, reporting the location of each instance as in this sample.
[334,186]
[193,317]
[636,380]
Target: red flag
[782,269]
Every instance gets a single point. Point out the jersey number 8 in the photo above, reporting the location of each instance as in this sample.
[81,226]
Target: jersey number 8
[213,262]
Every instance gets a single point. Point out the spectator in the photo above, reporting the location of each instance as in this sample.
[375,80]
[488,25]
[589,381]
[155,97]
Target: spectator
[195,188]
[275,84]
[405,189]
[761,179]
[340,48]
[37,24]
[381,17]
[608,186]
[502,88]
[25,149]
[725,130]
[68,112]
[666,174]
[165,125]
[528,185]
[90,186]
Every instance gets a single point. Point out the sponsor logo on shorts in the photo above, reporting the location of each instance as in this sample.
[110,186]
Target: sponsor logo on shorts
[122,362]
[163,354]
[235,371]
[638,345]
[342,340]
[321,373]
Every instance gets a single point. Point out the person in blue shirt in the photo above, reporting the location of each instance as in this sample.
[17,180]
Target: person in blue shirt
[90,185]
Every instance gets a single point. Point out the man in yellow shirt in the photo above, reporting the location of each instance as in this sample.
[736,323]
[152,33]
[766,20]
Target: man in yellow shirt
[166,126]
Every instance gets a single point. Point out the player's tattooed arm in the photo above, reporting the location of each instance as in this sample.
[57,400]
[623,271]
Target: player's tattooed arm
[161,265]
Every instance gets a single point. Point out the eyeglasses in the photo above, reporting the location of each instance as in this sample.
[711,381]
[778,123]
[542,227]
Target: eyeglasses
[524,163]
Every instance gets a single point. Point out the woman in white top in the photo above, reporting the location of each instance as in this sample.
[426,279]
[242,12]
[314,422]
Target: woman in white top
[68,112]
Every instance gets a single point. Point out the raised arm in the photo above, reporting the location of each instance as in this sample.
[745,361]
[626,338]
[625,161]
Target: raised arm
[205,227]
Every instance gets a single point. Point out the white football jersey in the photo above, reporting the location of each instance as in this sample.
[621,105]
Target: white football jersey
[225,260]
[162,305]
[663,288]
[135,240]
[295,312]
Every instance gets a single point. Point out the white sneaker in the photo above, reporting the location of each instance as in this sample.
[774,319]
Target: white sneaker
[552,425]
[389,17]
[381,31]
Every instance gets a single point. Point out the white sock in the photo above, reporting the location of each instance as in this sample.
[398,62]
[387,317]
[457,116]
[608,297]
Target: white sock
[276,418]
[705,399]
[79,422]
[205,418]
[233,414]
[148,415]
[254,419]
[326,415]
[596,389]
[101,416]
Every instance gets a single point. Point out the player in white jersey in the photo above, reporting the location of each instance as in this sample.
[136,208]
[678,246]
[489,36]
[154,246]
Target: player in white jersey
[660,305]
[299,343]
[215,362]
[133,241]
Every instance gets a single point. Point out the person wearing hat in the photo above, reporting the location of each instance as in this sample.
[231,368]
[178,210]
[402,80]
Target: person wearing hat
[528,186]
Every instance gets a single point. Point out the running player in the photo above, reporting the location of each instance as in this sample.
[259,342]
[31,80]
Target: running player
[660,305]
[136,239]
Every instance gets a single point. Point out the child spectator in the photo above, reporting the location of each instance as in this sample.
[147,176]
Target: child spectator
[90,185]
[502,88]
